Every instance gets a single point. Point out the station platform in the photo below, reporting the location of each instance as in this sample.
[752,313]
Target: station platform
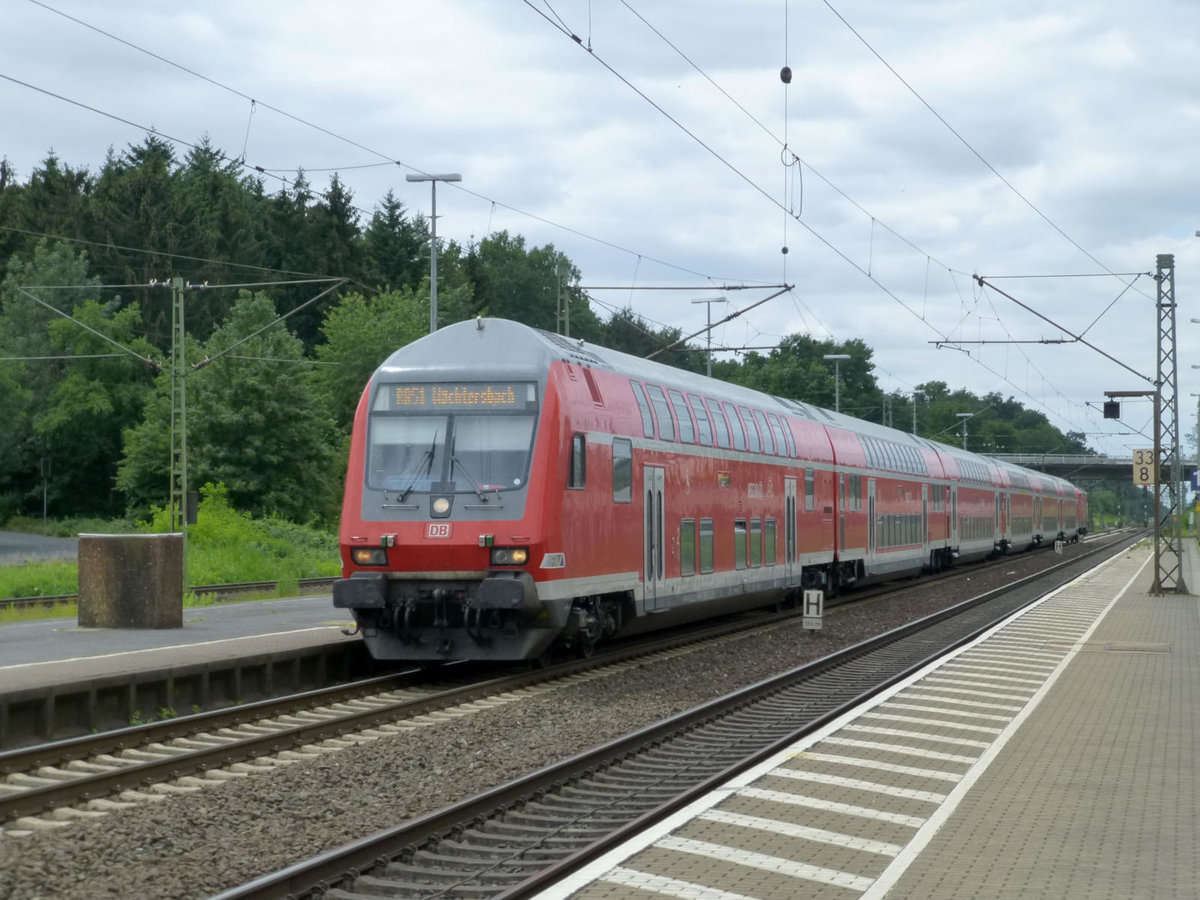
[44,652]
[1051,758]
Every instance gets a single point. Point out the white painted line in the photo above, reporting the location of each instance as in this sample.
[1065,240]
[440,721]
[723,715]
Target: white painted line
[247,637]
[859,785]
[901,748]
[919,735]
[932,684]
[766,863]
[903,690]
[861,763]
[915,707]
[804,832]
[993,673]
[845,809]
[926,833]
[671,887]
[939,723]
[942,697]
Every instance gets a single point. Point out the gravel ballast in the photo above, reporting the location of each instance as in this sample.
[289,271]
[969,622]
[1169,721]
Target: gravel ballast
[196,845]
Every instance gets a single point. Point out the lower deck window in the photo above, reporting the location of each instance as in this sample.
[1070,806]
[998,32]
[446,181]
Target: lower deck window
[706,545]
[687,547]
[739,543]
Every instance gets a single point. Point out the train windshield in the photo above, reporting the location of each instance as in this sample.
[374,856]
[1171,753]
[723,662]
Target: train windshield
[451,438]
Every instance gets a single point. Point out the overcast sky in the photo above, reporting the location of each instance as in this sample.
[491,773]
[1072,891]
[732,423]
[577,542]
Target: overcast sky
[925,141]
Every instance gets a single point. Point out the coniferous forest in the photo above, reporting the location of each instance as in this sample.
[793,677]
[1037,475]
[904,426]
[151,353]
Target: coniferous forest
[87,257]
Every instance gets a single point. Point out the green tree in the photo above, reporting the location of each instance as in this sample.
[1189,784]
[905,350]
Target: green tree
[252,424]
[393,247]
[528,286]
[102,392]
[32,360]
[360,333]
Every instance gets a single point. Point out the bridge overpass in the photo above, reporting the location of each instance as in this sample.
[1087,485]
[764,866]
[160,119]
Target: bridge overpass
[1083,468]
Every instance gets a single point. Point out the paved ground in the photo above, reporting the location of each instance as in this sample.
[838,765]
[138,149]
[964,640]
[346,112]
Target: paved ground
[17,548]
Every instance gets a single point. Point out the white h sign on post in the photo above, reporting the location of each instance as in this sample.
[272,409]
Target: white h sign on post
[814,609]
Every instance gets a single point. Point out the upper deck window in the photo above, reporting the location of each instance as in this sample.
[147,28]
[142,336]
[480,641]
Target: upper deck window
[666,427]
[687,434]
[644,409]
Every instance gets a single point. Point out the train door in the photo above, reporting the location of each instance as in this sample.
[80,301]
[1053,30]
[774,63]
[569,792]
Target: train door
[925,520]
[997,527]
[791,563]
[840,500]
[954,515]
[871,517]
[654,538]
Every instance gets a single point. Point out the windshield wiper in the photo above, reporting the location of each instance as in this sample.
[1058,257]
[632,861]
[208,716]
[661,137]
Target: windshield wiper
[455,461]
[426,460]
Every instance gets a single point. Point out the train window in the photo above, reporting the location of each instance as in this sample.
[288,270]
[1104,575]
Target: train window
[735,426]
[752,438]
[720,428]
[769,541]
[622,470]
[755,543]
[783,440]
[578,475]
[706,545]
[703,426]
[687,433]
[765,429]
[739,543]
[809,493]
[644,408]
[666,427]
[687,547]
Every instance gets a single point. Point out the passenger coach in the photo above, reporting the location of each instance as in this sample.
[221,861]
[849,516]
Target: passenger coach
[511,491]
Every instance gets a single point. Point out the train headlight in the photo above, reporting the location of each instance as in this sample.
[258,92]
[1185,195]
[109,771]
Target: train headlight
[510,556]
[440,507]
[369,556]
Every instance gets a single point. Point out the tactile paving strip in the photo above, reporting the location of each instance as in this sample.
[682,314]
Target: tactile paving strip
[843,814]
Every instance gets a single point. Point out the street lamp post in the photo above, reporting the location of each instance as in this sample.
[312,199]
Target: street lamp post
[433,180]
[964,417]
[708,330]
[837,378]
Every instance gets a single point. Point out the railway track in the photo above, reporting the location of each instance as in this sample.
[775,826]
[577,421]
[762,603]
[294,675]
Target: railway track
[54,783]
[514,840]
[222,592]
[50,784]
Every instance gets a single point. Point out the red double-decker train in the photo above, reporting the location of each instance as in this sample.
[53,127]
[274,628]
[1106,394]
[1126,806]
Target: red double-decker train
[511,492]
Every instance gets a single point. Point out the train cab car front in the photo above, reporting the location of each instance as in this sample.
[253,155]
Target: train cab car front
[441,525]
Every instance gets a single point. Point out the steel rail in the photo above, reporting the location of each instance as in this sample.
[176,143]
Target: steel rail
[245,587]
[322,872]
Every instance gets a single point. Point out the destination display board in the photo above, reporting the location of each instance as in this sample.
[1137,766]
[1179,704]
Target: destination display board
[480,396]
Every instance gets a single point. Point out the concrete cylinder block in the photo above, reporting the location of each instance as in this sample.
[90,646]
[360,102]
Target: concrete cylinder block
[131,580]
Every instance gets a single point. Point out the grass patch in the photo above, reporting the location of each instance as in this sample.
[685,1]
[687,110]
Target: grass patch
[47,578]
[13,615]
[224,546]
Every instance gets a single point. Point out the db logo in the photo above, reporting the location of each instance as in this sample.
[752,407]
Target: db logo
[438,530]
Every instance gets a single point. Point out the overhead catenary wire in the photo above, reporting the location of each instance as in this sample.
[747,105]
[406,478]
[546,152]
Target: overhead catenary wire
[389,159]
[919,315]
